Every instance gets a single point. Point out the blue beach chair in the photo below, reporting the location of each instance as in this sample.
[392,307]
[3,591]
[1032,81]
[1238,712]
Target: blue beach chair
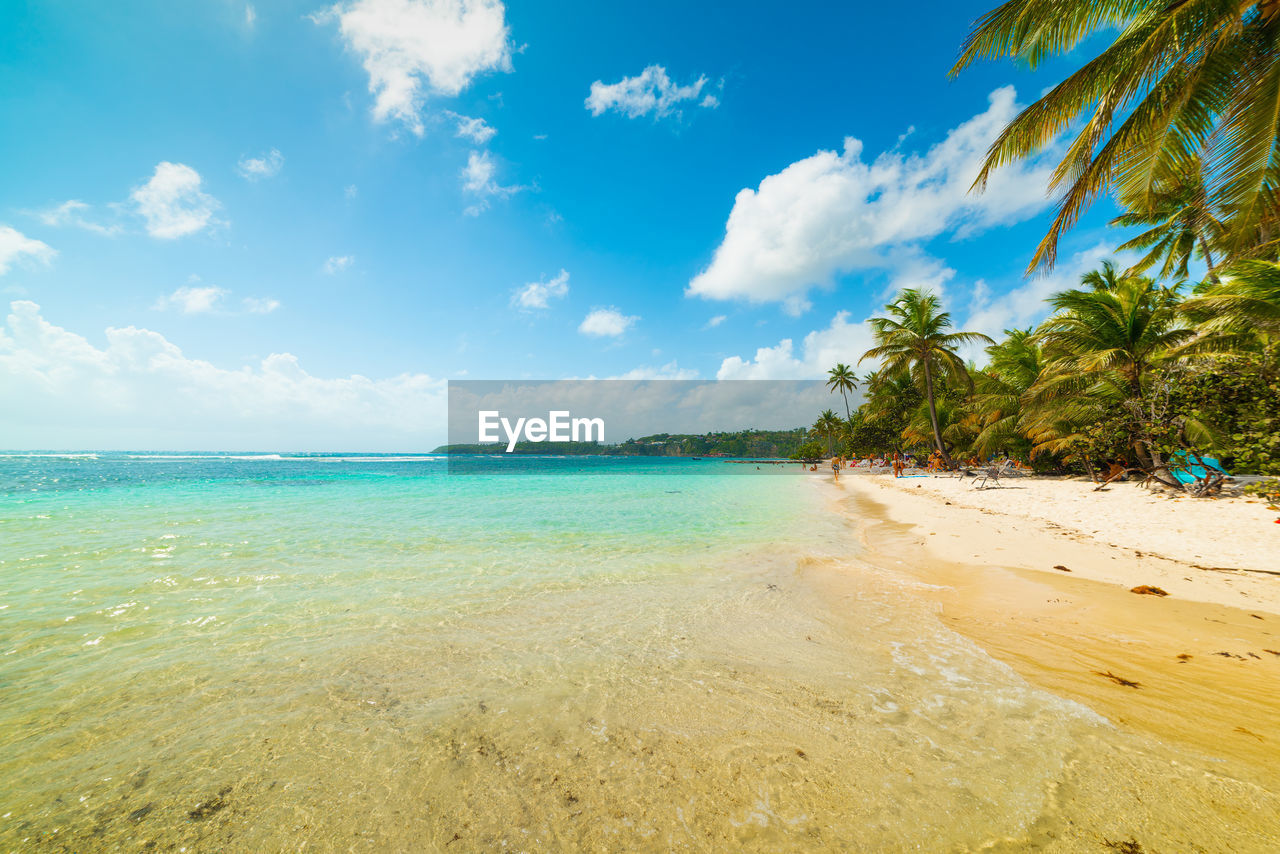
[1199,478]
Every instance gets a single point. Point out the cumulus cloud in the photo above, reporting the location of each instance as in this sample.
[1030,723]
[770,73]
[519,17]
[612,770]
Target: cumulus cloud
[172,203]
[835,213]
[257,168]
[1026,304]
[651,91]
[535,295]
[478,179]
[337,263]
[415,48]
[192,299]
[140,391]
[716,321]
[606,323]
[75,213]
[16,246]
[476,130]
[841,341]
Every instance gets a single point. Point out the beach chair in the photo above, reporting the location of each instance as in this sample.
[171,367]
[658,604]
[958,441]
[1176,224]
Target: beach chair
[1199,476]
[993,473]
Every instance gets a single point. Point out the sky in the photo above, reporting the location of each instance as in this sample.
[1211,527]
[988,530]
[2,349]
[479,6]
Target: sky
[286,225]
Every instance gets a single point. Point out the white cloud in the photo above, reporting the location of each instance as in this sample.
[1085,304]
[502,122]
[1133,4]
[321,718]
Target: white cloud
[266,166]
[1026,304]
[651,91]
[191,299]
[139,391]
[670,371]
[351,191]
[834,213]
[260,305]
[606,323]
[16,246]
[535,295]
[415,48]
[250,16]
[841,341]
[338,263]
[172,203]
[476,130]
[716,321]
[478,180]
[72,212]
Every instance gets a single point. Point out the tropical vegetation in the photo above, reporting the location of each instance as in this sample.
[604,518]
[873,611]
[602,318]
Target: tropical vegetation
[1123,370]
[1149,367]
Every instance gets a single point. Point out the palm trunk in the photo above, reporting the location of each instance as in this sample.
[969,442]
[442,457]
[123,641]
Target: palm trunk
[933,412]
[847,414]
[1208,261]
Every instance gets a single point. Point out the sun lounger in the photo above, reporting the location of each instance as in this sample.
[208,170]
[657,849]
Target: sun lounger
[994,473]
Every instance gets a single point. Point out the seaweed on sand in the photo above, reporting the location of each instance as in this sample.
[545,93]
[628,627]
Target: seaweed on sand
[1119,680]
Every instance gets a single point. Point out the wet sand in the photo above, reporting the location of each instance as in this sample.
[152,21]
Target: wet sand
[1197,674]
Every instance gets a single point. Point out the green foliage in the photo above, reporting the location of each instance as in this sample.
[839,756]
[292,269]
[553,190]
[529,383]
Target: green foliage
[1268,489]
[1239,400]
[912,339]
[1180,84]
[810,450]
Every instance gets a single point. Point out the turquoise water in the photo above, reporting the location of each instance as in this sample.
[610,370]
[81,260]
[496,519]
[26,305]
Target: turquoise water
[367,653]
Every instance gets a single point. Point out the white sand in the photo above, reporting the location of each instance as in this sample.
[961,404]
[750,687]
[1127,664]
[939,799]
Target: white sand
[1220,550]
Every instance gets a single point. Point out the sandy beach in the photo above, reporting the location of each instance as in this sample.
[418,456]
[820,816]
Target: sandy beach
[1039,572]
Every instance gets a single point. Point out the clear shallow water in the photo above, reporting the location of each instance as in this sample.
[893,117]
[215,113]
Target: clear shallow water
[255,654]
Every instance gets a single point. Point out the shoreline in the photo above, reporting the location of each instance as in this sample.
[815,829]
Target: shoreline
[1194,667]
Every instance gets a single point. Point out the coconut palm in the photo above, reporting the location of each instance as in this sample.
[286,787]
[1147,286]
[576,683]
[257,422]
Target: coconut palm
[828,424]
[914,339]
[1103,344]
[996,410]
[1248,298]
[1239,314]
[1181,82]
[1181,224]
[891,400]
[1105,278]
[841,378]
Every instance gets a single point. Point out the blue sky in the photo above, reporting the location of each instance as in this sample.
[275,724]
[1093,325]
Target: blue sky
[285,224]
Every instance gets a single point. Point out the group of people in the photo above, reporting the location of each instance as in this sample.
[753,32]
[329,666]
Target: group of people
[898,463]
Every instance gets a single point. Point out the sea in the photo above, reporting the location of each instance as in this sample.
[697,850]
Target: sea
[276,652]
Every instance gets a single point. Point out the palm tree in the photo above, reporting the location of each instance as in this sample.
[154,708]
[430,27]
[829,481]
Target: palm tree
[891,400]
[841,378]
[1181,223]
[1239,313]
[996,410]
[913,339]
[1247,299]
[1181,82]
[1103,345]
[1106,278]
[828,424]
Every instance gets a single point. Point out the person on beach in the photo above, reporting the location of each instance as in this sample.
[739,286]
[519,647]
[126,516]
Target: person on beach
[835,469]
[897,465]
